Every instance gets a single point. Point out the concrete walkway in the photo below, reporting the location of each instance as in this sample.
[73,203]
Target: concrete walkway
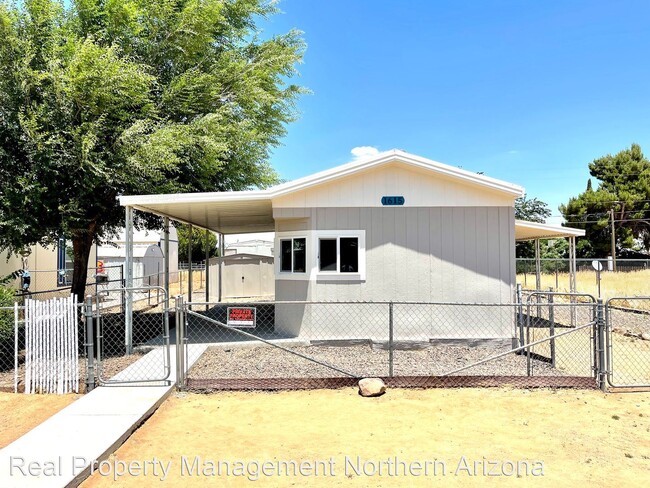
[61,451]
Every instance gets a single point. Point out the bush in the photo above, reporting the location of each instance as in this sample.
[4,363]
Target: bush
[7,297]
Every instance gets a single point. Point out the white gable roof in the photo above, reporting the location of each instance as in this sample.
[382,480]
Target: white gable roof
[393,156]
[252,211]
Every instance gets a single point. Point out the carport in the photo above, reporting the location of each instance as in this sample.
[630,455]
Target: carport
[248,212]
[534,231]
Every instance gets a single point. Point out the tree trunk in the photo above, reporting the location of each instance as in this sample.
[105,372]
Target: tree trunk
[82,243]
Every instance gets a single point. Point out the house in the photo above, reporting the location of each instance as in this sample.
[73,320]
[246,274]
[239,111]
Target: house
[394,227]
[50,268]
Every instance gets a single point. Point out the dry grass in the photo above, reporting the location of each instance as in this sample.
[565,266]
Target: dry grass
[630,283]
[584,438]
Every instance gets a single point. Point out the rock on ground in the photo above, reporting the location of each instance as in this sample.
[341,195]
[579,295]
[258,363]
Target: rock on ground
[371,387]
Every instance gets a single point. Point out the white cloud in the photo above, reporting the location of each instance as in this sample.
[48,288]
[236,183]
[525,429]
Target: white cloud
[364,151]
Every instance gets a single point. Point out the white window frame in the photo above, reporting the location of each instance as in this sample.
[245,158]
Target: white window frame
[338,255]
[312,250]
[291,239]
[360,274]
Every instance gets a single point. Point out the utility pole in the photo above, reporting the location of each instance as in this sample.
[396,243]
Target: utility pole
[611,214]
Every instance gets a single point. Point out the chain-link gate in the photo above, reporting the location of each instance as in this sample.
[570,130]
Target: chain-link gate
[136,350]
[628,342]
[545,316]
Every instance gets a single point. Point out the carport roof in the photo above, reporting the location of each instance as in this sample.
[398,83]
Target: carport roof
[237,212]
[528,231]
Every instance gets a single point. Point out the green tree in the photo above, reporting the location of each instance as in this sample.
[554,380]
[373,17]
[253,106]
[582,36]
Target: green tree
[112,97]
[623,186]
[198,244]
[531,210]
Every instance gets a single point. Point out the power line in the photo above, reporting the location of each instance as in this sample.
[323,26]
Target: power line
[608,220]
[595,215]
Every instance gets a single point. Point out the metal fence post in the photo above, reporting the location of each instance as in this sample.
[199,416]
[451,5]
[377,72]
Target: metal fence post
[529,364]
[520,314]
[16,345]
[601,370]
[180,382]
[551,327]
[90,346]
[390,339]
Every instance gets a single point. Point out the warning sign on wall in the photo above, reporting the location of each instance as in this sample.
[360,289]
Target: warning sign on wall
[241,316]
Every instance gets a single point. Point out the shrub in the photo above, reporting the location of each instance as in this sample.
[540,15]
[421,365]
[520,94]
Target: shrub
[7,297]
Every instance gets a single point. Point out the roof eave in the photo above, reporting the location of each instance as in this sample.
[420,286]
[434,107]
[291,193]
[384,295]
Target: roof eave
[391,156]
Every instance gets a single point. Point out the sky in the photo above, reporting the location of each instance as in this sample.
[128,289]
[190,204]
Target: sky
[524,91]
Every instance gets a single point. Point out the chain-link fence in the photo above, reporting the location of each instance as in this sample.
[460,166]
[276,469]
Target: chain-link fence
[324,344]
[107,283]
[101,333]
[629,277]
[562,265]
[46,284]
[11,346]
[628,344]
[545,339]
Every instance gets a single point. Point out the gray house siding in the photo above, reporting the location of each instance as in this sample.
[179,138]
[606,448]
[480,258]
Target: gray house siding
[421,254]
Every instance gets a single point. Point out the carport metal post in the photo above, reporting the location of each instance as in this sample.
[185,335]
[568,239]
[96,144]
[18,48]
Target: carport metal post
[222,251]
[572,264]
[390,339]
[538,275]
[572,276]
[166,260]
[128,313]
[207,267]
[189,259]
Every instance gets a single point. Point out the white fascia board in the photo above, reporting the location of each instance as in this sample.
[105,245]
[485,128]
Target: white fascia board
[209,197]
[400,156]
[462,174]
[548,231]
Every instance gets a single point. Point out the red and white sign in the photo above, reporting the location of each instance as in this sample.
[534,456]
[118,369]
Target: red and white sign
[241,317]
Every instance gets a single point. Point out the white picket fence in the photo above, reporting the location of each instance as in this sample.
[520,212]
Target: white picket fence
[51,346]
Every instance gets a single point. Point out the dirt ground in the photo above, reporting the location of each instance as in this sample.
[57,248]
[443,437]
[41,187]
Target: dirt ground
[20,413]
[566,437]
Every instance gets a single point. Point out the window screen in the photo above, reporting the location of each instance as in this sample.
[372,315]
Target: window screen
[349,254]
[327,255]
[285,255]
[299,255]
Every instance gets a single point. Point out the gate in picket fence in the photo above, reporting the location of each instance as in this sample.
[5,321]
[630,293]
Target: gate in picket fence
[51,346]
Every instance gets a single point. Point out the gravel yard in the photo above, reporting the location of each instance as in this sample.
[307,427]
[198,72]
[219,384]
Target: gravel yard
[630,323]
[360,360]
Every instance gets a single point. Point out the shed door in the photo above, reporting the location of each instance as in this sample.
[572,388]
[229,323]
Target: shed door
[242,278]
